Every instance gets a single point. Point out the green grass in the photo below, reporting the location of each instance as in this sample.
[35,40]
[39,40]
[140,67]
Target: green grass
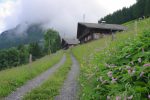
[129,82]
[13,78]
[50,88]
[93,56]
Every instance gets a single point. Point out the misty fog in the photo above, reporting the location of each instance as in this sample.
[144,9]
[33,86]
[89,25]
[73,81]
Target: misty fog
[61,15]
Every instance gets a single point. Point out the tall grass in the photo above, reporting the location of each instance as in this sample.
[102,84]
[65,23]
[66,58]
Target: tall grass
[50,88]
[121,60]
[13,78]
[92,55]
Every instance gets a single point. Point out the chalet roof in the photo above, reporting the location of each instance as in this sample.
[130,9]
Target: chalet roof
[88,28]
[104,26]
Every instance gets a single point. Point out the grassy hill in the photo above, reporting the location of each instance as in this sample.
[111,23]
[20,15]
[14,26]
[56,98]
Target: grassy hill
[109,69]
[116,69]
[11,79]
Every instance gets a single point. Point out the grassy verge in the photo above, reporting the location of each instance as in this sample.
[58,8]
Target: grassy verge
[50,88]
[85,54]
[11,79]
[93,57]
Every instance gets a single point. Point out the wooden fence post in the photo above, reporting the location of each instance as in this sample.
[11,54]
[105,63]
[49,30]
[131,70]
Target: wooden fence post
[113,37]
[30,58]
[135,28]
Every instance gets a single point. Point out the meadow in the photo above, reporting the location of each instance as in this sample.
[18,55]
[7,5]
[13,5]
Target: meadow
[103,65]
[109,69]
[11,79]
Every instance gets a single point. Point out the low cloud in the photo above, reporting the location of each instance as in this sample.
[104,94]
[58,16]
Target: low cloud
[61,15]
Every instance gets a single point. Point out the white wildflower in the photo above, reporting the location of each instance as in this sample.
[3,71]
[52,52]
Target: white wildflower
[141,74]
[133,71]
[128,67]
[101,78]
[109,74]
[132,62]
[130,98]
[129,71]
[140,60]
[105,81]
[114,80]
[108,97]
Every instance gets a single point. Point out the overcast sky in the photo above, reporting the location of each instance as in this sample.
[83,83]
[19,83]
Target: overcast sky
[62,15]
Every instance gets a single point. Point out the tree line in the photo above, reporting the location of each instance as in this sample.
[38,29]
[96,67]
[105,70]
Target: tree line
[16,56]
[140,9]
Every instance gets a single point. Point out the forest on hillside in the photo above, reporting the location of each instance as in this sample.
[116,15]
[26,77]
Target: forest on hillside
[140,9]
[19,55]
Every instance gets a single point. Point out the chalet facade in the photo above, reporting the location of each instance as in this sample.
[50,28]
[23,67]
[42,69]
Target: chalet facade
[67,43]
[91,31]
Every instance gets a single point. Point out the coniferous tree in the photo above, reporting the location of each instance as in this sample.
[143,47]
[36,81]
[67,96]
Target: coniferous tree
[139,9]
[147,8]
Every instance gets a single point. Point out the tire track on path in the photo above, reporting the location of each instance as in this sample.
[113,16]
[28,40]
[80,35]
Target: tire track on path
[70,87]
[20,92]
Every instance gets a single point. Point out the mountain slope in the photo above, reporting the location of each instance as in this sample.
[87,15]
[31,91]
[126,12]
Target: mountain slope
[22,34]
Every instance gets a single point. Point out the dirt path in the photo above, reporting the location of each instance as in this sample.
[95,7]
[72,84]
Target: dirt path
[70,88]
[20,92]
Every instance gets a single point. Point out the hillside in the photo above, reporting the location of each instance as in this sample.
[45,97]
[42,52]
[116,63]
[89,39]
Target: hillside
[13,78]
[139,10]
[22,34]
[119,69]
[112,70]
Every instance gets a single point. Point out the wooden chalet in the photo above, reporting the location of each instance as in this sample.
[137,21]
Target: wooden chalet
[90,31]
[66,43]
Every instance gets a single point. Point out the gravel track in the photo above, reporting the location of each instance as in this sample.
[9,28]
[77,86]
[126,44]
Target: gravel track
[20,92]
[70,87]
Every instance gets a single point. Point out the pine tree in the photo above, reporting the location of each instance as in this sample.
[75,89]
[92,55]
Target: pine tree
[139,9]
[147,8]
